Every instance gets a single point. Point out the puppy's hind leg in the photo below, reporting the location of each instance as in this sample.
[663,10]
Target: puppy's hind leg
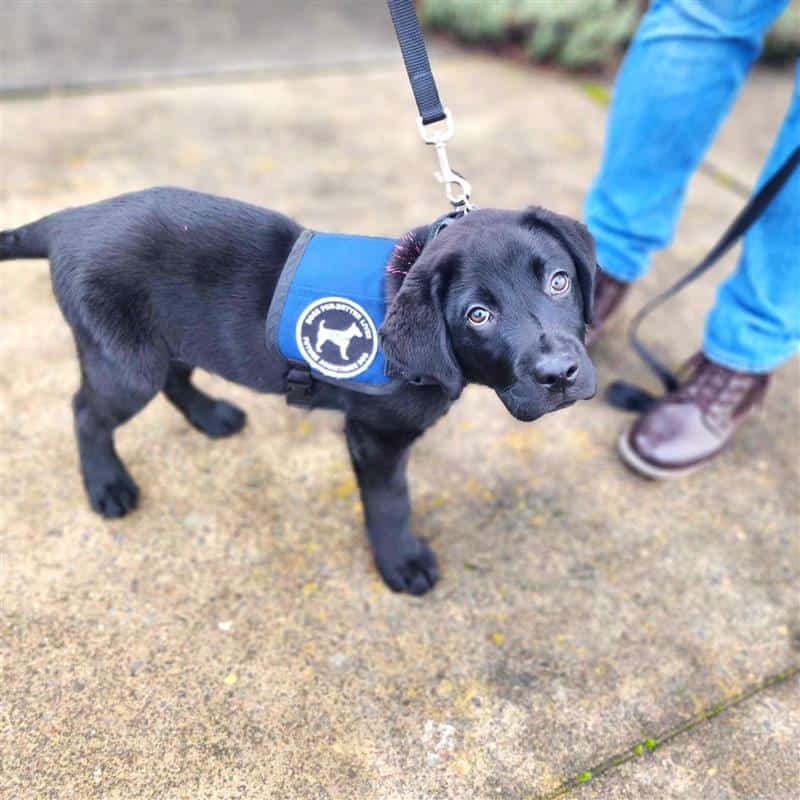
[106,400]
[215,418]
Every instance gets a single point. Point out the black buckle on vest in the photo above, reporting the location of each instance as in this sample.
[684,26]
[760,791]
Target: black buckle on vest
[299,384]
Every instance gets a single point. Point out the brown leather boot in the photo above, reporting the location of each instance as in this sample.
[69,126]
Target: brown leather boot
[694,423]
[608,294]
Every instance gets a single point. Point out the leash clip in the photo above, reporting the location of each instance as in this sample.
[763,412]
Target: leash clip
[456,186]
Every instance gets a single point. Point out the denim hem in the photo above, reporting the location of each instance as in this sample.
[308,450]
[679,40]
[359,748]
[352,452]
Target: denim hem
[615,266]
[724,358]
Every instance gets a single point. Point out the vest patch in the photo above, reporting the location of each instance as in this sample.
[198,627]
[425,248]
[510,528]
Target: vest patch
[337,337]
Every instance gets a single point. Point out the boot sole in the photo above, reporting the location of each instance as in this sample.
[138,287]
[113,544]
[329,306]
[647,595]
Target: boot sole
[645,468]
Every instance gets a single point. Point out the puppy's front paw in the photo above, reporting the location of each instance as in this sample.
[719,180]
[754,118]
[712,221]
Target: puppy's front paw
[113,497]
[411,568]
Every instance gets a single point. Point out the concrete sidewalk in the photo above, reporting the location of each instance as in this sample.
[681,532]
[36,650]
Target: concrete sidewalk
[73,42]
[231,638]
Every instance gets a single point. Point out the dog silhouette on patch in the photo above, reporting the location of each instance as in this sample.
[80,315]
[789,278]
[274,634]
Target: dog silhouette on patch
[341,338]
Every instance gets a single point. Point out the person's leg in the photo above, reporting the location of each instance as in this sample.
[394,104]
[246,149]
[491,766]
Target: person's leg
[755,323]
[754,326]
[679,78]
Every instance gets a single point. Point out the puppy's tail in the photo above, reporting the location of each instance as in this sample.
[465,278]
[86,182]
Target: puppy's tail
[29,241]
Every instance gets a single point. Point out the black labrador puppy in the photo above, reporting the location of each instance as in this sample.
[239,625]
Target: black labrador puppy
[157,282]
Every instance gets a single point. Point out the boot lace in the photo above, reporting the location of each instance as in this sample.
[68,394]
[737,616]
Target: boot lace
[716,390]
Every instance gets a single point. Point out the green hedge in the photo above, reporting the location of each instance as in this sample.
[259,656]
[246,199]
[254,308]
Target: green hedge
[572,33]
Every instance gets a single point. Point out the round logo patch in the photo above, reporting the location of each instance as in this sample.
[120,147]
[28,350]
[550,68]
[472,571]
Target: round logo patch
[337,337]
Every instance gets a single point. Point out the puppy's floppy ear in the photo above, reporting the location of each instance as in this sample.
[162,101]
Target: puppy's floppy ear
[577,240]
[414,333]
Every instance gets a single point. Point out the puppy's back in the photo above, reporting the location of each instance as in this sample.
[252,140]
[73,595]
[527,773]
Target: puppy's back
[163,265]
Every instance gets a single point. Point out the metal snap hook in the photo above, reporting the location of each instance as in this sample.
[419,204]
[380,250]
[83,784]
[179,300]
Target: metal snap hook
[456,186]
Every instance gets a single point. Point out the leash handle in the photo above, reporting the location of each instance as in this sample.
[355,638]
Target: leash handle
[415,57]
[426,95]
[619,394]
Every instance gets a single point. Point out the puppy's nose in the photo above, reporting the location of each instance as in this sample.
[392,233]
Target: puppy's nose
[556,371]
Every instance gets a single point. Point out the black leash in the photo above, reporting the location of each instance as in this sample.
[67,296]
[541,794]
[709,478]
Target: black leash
[415,56]
[632,398]
[426,95]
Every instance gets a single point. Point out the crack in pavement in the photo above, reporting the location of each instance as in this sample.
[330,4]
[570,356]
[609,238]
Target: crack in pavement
[650,744]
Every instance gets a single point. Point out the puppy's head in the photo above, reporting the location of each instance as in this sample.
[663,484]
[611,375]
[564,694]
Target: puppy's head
[500,298]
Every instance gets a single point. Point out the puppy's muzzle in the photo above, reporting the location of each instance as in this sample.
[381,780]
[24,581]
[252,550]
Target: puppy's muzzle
[556,371]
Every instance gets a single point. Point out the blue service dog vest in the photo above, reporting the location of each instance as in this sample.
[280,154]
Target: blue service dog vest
[327,308]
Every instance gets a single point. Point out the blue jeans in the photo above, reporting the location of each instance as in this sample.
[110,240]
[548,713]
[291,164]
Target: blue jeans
[678,80]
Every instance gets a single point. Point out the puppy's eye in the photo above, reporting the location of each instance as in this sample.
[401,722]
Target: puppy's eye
[559,282]
[478,315]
